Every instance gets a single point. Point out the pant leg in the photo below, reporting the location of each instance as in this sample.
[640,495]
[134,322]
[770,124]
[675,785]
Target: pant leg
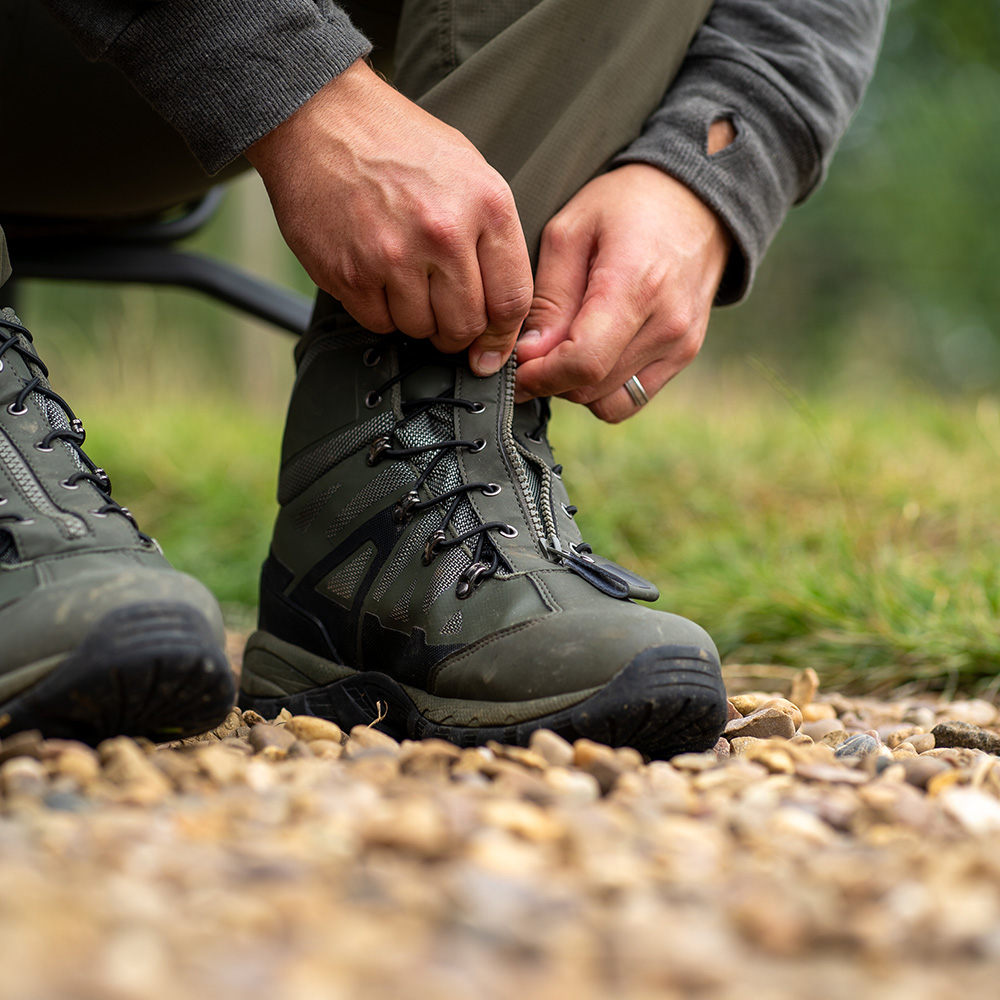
[548,90]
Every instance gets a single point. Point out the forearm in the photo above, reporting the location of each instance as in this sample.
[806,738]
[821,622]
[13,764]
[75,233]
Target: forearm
[224,73]
[789,75]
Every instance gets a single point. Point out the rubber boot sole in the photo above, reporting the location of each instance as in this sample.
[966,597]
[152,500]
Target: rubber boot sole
[150,670]
[666,701]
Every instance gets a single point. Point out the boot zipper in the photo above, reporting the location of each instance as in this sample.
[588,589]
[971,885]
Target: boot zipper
[34,494]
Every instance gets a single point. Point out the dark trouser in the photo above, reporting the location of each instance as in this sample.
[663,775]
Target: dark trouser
[549,91]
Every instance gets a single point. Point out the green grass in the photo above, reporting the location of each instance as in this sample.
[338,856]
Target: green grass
[852,532]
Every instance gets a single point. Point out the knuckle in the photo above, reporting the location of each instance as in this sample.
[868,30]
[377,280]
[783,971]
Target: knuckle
[497,202]
[605,411]
[589,369]
[511,305]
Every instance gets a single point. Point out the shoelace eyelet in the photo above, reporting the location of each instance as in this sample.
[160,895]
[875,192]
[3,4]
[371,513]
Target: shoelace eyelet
[477,446]
[17,411]
[508,531]
[378,447]
[372,399]
[570,509]
[403,510]
[3,500]
[470,579]
[371,357]
[98,513]
[431,547]
[533,439]
[67,485]
[43,448]
[477,408]
[492,490]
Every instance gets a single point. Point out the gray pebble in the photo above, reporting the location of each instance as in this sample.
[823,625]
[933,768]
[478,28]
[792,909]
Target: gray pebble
[962,734]
[861,745]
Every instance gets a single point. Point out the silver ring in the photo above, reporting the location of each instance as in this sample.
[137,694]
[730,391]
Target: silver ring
[634,388]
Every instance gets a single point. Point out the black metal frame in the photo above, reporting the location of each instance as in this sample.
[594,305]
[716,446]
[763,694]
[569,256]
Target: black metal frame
[144,253]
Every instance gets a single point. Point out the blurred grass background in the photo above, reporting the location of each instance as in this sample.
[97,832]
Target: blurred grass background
[819,489]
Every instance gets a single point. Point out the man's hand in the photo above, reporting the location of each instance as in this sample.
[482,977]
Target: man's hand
[627,272]
[399,217]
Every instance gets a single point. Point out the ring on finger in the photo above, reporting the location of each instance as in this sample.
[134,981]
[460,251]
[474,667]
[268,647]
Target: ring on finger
[638,394]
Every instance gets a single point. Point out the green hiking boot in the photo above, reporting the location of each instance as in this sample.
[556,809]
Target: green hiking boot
[426,570]
[99,636]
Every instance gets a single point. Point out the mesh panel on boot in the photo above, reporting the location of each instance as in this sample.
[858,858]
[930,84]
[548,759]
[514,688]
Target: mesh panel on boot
[344,580]
[389,483]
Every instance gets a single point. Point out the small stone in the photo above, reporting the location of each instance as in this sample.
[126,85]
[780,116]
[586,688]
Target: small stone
[835,738]
[378,767]
[922,742]
[557,751]
[860,745]
[308,728]
[789,708]
[722,749]
[920,770]
[572,786]
[326,749]
[252,718]
[964,734]
[898,734]
[740,744]
[695,762]
[222,764]
[629,758]
[820,727]
[771,755]
[763,723]
[903,751]
[78,763]
[732,712]
[24,744]
[598,760]
[366,738]
[817,710]
[745,704]
[976,812]
[264,735]
[920,715]
[805,685]
[23,777]
[125,765]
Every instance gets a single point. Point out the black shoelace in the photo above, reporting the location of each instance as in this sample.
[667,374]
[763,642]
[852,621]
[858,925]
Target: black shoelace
[74,434]
[485,559]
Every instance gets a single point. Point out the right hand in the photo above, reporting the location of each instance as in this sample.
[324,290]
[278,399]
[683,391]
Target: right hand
[398,216]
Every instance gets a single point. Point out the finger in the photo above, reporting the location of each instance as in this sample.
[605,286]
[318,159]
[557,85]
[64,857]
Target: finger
[506,282]
[618,404]
[371,309]
[408,297]
[459,305]
[560,284]
[656,342]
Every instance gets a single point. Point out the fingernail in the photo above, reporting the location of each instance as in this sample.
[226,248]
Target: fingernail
[488,363]
[528,335]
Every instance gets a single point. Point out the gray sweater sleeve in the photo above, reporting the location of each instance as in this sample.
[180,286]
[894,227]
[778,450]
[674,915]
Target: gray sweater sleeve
[222,72]
[789,74]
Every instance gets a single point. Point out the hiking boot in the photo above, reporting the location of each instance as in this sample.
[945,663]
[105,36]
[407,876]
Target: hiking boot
[427,573]
[99,636]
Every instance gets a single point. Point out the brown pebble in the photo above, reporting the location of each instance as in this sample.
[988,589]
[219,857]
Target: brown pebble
[24,777]
[805,685]
[598,760]
[557,751]
[922,742]
[125,765]
[379,767]
[722,749]
[264,735]
[920,770]
[818,710]
[763,723]
[903,751]
[820,727]
[308,728]
[745,704]
[326,749]
[25,744]
[732,712]
[367,738]
[835,738]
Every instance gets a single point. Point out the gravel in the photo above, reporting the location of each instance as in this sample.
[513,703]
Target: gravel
[828,847]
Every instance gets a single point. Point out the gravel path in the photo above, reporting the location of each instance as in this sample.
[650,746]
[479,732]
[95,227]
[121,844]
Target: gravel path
[829,847]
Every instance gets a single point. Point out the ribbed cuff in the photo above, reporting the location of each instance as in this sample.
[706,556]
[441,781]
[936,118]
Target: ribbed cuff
[234,69]
[752,183]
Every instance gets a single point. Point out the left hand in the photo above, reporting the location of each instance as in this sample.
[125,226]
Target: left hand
[627,273]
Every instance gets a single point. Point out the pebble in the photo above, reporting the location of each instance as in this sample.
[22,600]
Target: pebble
[816,711]
[762,723]
[964,734]
[860,745]
[365,738]
[919,770]
[805,685]
[264,736]
[126,766]
[308,728]
[819,728]
[552,748]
